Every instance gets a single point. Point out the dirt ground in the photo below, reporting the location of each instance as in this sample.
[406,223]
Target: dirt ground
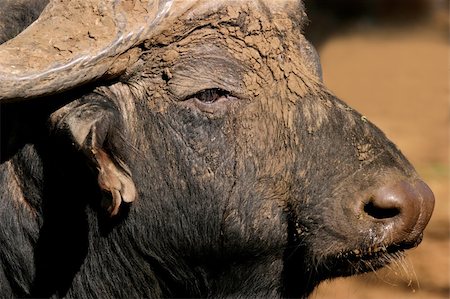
[399,78]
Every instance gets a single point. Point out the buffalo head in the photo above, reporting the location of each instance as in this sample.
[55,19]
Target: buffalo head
[209,134]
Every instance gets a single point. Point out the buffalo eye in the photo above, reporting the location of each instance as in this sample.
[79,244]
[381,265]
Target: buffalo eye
[211,100]
[211,96]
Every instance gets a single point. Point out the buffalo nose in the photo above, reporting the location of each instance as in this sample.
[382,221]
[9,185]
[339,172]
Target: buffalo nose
[403,209]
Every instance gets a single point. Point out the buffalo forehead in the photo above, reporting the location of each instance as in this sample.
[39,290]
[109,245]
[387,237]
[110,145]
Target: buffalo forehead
[252,51]
[205,65]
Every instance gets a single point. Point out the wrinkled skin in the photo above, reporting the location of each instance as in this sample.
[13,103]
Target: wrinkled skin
[245,169]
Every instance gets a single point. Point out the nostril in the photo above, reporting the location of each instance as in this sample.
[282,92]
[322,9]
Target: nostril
[397,211]
[380,212]
[397,201]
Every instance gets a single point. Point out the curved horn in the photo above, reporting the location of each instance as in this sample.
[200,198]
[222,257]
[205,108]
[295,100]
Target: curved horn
[74,42]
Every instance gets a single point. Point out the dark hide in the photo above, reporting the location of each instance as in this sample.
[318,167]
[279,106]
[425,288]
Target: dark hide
[16,15]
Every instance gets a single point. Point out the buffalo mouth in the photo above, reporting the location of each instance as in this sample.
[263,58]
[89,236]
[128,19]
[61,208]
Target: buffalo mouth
[365,259]
[304,269]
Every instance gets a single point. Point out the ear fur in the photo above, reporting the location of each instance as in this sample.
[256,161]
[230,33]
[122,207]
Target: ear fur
[311,58]
[89,122]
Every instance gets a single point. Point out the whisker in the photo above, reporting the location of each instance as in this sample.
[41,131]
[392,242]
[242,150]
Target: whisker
[384,279]
[414,279]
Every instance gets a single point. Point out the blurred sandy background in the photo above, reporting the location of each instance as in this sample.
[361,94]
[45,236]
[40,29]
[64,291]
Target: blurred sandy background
[392,65]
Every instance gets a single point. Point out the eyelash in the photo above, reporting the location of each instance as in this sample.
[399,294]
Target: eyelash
[210,96]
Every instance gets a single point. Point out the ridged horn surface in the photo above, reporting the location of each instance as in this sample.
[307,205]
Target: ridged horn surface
[74,42]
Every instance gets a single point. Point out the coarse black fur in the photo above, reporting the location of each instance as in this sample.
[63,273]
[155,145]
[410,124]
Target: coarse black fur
[173,245]
[16,15]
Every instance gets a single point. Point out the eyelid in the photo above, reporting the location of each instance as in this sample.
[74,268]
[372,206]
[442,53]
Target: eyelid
[204,94]
[223,101]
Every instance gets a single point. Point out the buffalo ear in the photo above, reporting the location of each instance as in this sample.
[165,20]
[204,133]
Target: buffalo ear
[114,178]
[89,123]
[311,58]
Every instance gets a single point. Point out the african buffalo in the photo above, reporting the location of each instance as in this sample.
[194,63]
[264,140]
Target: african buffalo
[188,148]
